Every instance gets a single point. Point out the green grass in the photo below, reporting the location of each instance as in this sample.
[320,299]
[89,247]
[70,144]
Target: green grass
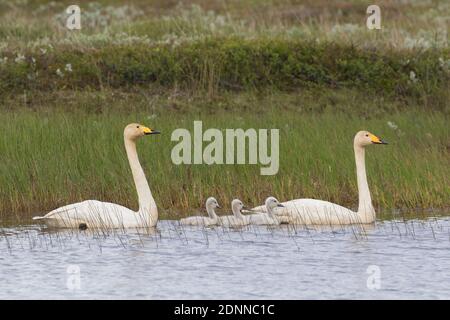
[308,67]
[405,23]
[51,158]
[234,64]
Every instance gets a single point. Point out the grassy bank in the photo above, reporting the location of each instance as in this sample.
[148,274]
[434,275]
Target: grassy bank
[216,47]
[310,68]
[234,64]
[50,158]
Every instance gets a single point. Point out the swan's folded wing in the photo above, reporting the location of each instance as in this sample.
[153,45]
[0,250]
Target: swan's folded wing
[91,212]
[259,209]
[195,221]
[317,212]
[232,221]
[261,219]
[278,211]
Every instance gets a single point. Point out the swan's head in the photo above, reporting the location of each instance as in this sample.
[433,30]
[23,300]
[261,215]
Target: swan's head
[211,203]
[134,131]
[365,138]
[237,205]
[272,203]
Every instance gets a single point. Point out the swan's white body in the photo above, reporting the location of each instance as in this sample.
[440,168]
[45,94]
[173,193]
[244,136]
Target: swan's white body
[314,212]
[318,212]
[211,220]
[267,214]
[97,214]
[263,219]
[237,219]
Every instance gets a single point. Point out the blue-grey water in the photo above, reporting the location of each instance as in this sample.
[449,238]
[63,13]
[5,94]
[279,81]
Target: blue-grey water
[392,259]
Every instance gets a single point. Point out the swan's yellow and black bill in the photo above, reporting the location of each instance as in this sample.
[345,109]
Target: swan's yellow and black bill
[149,131]
[280,205]
[377,140]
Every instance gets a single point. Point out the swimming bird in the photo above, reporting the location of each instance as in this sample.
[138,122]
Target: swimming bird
[237,219]
[212,218]
[268,217]
[318,212]
[96,214]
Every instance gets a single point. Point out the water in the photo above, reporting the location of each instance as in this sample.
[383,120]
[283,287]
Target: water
[393,259]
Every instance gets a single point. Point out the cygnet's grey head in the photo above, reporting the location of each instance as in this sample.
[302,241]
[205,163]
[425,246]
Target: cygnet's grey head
[237,206]
[272,203]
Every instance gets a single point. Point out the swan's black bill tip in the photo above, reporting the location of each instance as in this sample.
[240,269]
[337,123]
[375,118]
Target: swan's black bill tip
[152,132]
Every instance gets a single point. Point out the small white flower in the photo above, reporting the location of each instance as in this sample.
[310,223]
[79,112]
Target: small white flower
[392,125]
[20,58]
[33,60]
[68,67]
[43,50]
[59,73]
[412,77]
[444,64]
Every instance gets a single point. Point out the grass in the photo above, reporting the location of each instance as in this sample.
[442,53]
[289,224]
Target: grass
[234,64]
[310,68]
[220,46]
[406,24]
[59,157]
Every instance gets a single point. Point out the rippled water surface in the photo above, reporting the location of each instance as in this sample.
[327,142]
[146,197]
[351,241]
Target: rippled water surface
[392,259]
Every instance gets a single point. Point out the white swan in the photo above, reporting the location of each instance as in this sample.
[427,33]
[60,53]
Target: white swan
[211,220]
[267,217]
[96,214]
[318,212]
[237,219]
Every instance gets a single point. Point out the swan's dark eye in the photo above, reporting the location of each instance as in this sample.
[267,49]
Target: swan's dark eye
[137,127]
[367,135]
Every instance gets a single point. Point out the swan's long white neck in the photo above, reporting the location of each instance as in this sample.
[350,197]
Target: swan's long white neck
[270,210]
[211,212]
[237,212]
[365,208]
[147,205]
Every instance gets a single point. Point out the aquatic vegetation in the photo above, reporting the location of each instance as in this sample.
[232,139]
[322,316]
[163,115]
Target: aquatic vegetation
[316,159]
